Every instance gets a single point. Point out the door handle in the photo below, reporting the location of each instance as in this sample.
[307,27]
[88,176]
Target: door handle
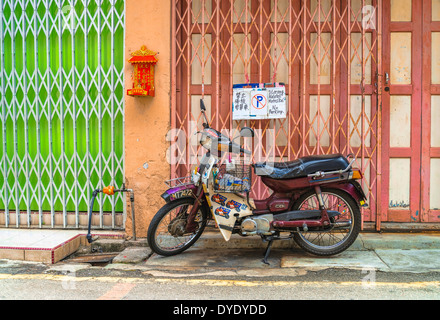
[387,81]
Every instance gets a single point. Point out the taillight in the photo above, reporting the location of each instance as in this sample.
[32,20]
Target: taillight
[357,175]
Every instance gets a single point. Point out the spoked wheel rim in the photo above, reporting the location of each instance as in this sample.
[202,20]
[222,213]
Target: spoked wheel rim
[342,225]
[170,234]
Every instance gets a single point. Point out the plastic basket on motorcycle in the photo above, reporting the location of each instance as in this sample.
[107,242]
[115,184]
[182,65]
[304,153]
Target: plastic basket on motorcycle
[233,178]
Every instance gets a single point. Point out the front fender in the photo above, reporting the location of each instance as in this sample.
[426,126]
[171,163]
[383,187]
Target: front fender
[184,191]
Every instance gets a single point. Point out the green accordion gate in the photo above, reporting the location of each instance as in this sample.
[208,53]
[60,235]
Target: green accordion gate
[62,112]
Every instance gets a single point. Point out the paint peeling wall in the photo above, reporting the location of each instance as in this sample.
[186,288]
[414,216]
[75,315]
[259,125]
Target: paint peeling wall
[147,119]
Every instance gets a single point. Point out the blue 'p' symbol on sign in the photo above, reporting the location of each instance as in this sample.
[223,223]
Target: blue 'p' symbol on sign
[259,101]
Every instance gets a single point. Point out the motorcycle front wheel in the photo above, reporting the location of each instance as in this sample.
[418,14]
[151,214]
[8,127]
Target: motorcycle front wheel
[166,234]
[345,227]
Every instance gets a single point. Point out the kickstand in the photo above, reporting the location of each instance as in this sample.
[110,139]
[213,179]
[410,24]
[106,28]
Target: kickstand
[267,252]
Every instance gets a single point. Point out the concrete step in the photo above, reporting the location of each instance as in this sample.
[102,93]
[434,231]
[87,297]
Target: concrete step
[212,239]
[46,246]
[51,246]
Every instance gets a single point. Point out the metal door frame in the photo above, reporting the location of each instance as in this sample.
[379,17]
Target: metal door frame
[428,90]
[413,89]
[420,151]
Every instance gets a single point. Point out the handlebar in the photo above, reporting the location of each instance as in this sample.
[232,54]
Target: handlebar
[230,146]
[203,109]
[233,145]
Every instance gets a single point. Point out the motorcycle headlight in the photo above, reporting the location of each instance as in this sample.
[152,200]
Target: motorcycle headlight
[195,175]
[206,141]
[195,178]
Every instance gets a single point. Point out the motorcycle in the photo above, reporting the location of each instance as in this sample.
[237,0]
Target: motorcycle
[315,200]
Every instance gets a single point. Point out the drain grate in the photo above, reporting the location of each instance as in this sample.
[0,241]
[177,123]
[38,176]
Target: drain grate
[97,260]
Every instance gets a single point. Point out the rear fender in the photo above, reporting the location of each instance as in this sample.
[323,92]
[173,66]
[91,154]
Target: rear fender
[354,189]
[188,191]
[185,191]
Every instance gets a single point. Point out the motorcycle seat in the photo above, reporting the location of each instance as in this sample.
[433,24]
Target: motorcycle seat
[301,167]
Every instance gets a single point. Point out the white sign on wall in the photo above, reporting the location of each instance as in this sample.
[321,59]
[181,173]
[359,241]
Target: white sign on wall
[241,104]
[276,99]
[259,103]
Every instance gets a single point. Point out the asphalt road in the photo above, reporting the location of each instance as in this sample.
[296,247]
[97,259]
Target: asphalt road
[31,281]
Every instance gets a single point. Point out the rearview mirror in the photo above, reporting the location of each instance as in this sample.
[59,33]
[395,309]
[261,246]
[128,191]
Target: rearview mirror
[203,109]
[247,132]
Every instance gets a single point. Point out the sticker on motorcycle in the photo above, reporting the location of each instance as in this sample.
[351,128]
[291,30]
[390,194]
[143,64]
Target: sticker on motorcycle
[233,205]
[217,198]
[222,212]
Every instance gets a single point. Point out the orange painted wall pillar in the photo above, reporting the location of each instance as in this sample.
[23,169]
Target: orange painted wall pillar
[147,119]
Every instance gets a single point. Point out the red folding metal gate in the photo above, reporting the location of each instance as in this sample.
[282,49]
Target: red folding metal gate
[329,55]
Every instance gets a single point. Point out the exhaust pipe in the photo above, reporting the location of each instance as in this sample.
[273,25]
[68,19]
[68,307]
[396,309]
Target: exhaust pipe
[342,224]
[302,219]
[304,215]
[305,224]
[297,224]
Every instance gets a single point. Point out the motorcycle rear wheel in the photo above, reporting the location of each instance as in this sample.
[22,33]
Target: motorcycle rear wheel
[333,240]
[166,234]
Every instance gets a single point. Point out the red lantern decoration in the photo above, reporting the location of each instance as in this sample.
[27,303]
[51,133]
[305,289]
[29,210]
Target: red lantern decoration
[143,61]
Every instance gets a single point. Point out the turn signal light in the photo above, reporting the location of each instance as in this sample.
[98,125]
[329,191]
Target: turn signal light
[110,190]
[223,147]
[357,175]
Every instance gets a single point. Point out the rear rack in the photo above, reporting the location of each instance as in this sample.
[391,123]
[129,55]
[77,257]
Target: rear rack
[177,182]
[322,173]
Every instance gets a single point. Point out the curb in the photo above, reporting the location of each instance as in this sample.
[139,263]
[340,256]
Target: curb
[390,252]
[365,241]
